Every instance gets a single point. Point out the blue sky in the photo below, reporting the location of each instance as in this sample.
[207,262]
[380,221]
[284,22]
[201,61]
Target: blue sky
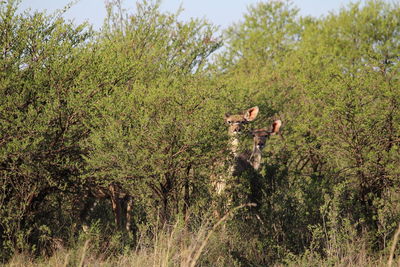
[219,12]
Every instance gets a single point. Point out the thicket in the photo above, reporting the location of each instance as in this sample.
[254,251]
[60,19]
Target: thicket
[128,121]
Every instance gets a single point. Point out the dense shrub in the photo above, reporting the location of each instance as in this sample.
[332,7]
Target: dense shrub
[128,121]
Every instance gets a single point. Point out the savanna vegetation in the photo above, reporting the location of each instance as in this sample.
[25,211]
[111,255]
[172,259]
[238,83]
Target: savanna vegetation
[109,139]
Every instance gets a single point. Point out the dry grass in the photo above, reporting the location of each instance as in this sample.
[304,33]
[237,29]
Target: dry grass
[173,246]
[176,246]
[392,249]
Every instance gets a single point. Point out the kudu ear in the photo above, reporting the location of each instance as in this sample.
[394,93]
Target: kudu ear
[226,116]
[251,113]
[275,126]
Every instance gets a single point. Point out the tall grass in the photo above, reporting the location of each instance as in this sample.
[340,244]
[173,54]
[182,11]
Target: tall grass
[392,249]
[172,246]
[176,245]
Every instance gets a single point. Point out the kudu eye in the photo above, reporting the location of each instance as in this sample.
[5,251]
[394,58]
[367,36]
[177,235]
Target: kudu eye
[230,122]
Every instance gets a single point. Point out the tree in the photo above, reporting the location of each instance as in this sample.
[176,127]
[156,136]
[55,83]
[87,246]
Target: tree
[156,117]
[40,123]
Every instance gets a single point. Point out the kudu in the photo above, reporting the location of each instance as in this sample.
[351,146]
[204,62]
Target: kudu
[235,127]
[251,160]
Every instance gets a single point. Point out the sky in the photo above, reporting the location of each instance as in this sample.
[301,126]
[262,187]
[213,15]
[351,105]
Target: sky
[220,12]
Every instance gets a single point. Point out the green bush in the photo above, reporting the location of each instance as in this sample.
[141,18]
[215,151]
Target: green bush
[130,119]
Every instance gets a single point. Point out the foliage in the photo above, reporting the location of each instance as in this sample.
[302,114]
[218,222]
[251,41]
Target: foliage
[336,89]
[135,111]
[40,124]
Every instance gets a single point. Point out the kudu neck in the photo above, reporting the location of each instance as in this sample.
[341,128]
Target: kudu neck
[255,158]
[234,145]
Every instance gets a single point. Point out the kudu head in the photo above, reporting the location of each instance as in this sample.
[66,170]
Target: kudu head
[260,136]
[236,122]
